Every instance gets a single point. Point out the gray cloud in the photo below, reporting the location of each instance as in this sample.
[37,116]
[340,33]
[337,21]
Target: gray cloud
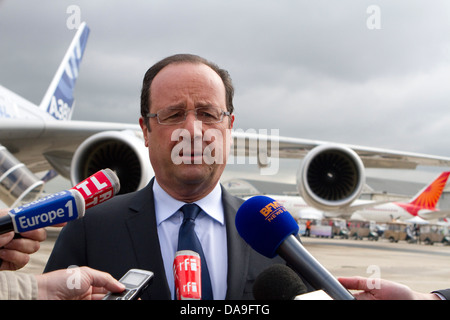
[310,68]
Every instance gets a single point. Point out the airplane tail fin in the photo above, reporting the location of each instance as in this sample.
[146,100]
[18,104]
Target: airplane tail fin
[58,100]
[428,197]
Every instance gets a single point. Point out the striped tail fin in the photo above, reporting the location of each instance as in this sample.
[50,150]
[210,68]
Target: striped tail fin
[58,100]
[429,196]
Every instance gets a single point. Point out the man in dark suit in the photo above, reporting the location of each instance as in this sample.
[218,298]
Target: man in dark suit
[184,99]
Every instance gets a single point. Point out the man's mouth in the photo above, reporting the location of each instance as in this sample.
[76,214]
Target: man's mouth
[195,157]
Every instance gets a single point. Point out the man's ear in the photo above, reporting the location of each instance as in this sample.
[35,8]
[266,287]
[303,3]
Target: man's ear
[231,121]
[145,130]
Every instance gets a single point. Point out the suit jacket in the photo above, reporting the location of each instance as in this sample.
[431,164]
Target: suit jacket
[121,234]
[445,293]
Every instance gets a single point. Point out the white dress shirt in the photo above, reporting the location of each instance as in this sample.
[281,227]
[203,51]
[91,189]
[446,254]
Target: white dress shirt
[210,229]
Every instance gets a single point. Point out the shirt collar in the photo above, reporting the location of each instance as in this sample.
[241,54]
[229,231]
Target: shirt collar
[166,206]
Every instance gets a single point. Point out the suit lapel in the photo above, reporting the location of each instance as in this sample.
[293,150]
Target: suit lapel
[142,230]
[238,250]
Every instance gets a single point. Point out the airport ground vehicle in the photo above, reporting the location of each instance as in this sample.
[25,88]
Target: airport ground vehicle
[359,229]
[434,233]
[326,228]
[338,227]
[395,231]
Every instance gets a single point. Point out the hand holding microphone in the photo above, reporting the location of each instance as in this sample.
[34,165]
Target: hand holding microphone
[270,230]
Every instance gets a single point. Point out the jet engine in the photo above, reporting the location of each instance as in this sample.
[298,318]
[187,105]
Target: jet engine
[330,177]
[121,151]
[18,185]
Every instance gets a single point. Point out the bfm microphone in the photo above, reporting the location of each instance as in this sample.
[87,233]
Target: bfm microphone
[62,206]
[270,230]
[187,275]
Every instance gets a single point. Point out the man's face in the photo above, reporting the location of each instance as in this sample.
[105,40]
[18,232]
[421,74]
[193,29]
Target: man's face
[187,86]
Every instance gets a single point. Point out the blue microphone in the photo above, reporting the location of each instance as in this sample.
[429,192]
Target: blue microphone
[270,230]
[264,224]
[50,210]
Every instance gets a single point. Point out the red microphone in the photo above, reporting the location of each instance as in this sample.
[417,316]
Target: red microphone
[99,187]
[187,275]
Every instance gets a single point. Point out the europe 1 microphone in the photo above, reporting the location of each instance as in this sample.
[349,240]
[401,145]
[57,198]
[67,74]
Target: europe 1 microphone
[53,209]
[270,230]
[62,206]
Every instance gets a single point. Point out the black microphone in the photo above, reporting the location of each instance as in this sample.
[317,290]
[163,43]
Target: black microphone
[270,230]
[278,282]
[52,209]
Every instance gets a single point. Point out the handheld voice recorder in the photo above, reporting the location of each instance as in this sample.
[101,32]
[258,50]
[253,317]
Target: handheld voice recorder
[135,281]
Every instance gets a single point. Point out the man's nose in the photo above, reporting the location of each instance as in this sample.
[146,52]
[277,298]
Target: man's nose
[192,124]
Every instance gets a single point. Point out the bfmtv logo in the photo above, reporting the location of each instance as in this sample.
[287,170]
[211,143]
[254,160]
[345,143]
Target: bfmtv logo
[272,210]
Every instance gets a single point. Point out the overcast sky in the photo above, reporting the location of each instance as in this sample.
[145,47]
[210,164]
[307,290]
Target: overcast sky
[373,73]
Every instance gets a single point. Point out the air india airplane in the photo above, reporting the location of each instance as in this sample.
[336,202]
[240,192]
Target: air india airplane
[422,205]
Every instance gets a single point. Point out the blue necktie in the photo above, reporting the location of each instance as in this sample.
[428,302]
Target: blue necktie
[188,240]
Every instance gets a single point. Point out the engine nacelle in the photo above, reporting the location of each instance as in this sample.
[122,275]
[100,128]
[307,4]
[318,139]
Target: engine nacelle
[330,177]
[18,185]
[121,151]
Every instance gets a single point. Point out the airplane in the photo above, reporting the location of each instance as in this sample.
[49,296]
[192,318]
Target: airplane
[423,206]
[35,139]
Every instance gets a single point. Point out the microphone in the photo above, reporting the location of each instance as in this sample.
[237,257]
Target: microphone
[187,275]
[62,206]
[99,187]
[270,230]
[278,282]
[53,209]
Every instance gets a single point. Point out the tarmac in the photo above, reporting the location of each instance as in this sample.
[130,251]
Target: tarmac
[423,268]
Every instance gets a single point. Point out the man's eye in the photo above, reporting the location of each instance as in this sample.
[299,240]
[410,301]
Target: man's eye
[211,114]
[174,114]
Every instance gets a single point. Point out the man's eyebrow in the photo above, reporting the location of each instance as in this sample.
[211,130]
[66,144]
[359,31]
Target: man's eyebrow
[200,104]
[203,104]
[180,105]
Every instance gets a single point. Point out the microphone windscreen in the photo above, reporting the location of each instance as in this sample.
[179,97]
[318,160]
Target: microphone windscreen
[278,282]
[264,224]
[113,178]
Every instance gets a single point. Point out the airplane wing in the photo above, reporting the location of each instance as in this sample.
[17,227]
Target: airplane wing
[292,148]
[45,145]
